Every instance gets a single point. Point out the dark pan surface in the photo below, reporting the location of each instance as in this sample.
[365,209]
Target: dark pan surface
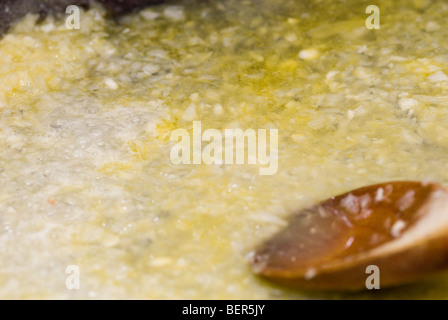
[11,10]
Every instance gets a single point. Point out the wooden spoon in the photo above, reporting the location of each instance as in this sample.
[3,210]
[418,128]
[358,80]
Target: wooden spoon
[401,227]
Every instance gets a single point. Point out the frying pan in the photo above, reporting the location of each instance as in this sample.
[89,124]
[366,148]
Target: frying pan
[12,10]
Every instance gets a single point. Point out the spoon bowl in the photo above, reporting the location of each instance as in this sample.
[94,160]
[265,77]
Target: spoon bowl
[400,227]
